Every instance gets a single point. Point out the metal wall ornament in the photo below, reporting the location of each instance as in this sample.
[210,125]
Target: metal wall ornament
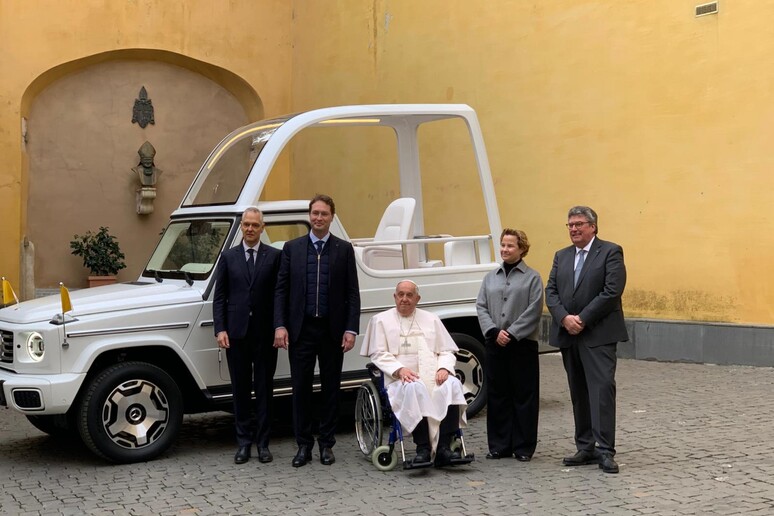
[142,113]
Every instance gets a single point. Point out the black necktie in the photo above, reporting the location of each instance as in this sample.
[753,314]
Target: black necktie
[251,263]
[319,246]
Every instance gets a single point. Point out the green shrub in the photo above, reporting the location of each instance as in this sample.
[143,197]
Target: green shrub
[100,252]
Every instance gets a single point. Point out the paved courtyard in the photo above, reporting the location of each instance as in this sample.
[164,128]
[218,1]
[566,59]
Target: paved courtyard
[692,439]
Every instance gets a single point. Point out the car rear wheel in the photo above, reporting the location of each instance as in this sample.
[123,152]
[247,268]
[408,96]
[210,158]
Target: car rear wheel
[470,371]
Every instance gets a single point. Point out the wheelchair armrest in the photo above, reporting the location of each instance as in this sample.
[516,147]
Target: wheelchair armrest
[373,371]
[376,375]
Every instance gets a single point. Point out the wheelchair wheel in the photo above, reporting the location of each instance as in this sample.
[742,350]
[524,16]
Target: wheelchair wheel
[383,459]
[368,419]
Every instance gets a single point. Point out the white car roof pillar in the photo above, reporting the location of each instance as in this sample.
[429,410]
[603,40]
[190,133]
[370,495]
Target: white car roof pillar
[485,177]
[410,175]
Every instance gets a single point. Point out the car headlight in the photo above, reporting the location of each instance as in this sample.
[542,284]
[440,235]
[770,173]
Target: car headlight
[35,347]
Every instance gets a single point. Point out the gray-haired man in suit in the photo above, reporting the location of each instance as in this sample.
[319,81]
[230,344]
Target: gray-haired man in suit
[583,294]
[243,313]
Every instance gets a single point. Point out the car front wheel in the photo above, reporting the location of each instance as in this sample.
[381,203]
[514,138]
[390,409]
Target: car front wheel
[130,412]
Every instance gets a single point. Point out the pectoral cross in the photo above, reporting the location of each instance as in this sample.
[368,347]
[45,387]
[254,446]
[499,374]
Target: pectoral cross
[406,345]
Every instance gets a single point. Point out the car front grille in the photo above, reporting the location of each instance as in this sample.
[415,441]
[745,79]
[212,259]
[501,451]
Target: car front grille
[6,347]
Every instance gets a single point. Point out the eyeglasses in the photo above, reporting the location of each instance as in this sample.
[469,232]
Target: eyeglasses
[576,225]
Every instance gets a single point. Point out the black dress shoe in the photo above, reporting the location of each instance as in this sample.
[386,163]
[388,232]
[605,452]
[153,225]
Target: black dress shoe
[522,458]
[422,457]
[608,464]
[264,455]
[303,456]
[494,455]
[242,455]
[581,458]
[326,456]
[443,457]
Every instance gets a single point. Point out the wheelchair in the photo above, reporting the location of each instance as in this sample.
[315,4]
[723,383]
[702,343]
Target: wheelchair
[373,414]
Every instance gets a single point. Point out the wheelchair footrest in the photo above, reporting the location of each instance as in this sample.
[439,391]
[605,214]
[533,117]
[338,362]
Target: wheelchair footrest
[467,459]
[410,464]
[461,461]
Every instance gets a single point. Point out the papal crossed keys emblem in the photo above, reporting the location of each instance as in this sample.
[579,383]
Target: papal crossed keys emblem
[143,110]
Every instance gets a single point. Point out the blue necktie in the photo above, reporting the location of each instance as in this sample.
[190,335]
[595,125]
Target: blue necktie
[578,267]
[319,246]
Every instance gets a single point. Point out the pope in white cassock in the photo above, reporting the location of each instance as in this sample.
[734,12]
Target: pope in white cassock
[417,356]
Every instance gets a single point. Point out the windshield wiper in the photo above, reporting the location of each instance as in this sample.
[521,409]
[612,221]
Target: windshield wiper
[156,275]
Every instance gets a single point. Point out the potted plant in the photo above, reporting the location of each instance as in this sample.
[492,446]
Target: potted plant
[101,255]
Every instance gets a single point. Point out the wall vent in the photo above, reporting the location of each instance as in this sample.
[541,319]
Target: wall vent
[705,9]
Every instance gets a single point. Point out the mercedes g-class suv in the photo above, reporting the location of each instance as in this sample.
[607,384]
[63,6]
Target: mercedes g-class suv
[122,367]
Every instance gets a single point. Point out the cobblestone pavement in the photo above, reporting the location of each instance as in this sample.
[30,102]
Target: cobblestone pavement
[692,439]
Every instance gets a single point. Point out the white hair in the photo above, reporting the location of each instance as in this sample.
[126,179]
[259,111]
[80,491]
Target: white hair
[416,287]
[253,209]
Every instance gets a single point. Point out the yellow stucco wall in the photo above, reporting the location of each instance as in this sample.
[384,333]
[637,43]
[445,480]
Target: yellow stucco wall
[242,44]
[657,119]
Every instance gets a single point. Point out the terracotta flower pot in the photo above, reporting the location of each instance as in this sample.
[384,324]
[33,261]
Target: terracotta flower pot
[98,281]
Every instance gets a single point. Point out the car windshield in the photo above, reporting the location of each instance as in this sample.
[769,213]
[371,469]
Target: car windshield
[223,175]
[188,249]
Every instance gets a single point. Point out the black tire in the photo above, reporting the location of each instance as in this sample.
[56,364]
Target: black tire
[130,412]
[56,425]
[470,371]
[368,418]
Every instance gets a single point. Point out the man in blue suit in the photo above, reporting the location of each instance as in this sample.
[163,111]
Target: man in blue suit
[583,294]
[317,317]
[243,313]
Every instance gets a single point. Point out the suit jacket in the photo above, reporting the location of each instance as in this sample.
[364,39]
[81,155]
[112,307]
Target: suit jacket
[596,298]
[343,288]
[235,296]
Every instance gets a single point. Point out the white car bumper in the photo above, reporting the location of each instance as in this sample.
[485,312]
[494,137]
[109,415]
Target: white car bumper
[39,394]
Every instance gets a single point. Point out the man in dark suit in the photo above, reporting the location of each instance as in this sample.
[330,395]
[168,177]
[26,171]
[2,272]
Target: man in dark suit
[583,294]
[243,313]
[317,317]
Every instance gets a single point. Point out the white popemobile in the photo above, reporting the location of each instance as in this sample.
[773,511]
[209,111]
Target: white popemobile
[130,359]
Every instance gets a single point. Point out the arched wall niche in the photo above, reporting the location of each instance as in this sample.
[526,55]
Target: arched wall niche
[81,146]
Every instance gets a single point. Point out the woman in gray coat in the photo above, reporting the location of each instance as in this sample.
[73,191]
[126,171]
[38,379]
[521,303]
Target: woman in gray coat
[509,307]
